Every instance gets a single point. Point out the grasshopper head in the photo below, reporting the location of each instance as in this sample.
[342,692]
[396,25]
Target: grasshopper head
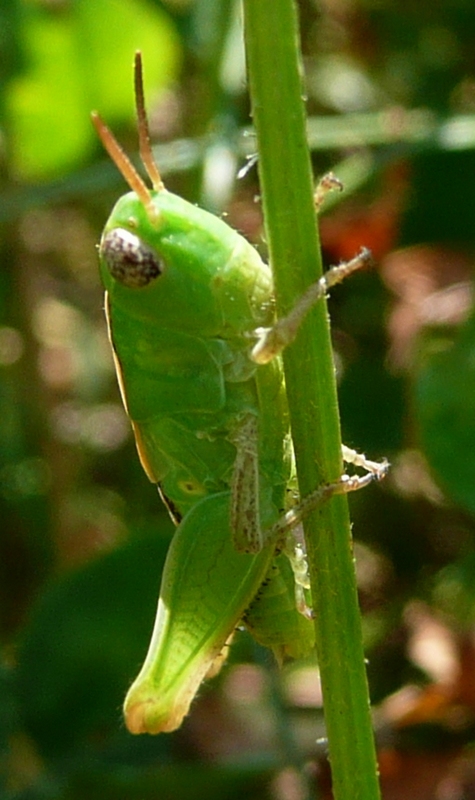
[193,271]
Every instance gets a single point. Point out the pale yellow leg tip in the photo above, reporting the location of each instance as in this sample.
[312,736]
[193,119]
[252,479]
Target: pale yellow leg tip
[146,716]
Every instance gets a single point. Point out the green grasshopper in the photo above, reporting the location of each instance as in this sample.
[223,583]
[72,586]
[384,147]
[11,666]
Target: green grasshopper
[190,312]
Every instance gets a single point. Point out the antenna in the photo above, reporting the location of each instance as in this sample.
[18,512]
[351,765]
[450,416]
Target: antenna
[122,162]
[146,153]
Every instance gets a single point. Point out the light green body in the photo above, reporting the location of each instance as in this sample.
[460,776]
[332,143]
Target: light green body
[182,343]
[185,294]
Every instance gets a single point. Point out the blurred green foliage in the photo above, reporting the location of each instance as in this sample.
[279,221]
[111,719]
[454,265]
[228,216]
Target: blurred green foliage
[70,62]
[83,533]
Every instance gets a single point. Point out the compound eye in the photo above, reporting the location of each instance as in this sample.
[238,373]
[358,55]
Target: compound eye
[129,260]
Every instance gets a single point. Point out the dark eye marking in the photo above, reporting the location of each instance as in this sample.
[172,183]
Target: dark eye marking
[129,260]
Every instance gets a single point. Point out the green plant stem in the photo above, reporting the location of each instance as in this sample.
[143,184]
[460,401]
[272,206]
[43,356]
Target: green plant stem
[274,70]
